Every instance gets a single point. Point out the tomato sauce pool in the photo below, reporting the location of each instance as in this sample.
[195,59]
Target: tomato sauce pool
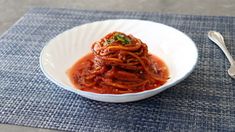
[85,62]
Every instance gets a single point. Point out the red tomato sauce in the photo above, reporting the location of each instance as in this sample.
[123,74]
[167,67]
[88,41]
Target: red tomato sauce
[84,64]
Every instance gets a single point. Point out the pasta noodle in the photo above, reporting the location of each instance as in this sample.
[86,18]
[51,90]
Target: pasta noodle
[118,64]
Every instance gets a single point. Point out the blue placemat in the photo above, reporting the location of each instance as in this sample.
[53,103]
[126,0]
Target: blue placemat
[205,101]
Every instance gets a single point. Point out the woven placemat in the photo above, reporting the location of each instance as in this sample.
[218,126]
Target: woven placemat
[205,101]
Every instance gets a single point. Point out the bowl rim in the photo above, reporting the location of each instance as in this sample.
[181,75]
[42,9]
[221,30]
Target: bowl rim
[78,91]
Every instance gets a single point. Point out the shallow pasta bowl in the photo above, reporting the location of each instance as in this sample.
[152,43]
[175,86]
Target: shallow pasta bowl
[175,48]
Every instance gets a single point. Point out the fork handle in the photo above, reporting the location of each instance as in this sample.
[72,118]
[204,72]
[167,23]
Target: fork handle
[217,38]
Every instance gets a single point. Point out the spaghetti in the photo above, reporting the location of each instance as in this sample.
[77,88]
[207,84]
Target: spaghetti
[118,64]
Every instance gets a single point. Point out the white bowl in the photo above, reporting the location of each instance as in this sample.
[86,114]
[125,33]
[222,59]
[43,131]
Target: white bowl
[176,49]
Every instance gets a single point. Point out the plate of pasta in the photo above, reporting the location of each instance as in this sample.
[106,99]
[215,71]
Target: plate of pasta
[119,60]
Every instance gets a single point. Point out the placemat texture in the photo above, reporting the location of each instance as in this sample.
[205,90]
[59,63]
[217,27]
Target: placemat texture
[205,101]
